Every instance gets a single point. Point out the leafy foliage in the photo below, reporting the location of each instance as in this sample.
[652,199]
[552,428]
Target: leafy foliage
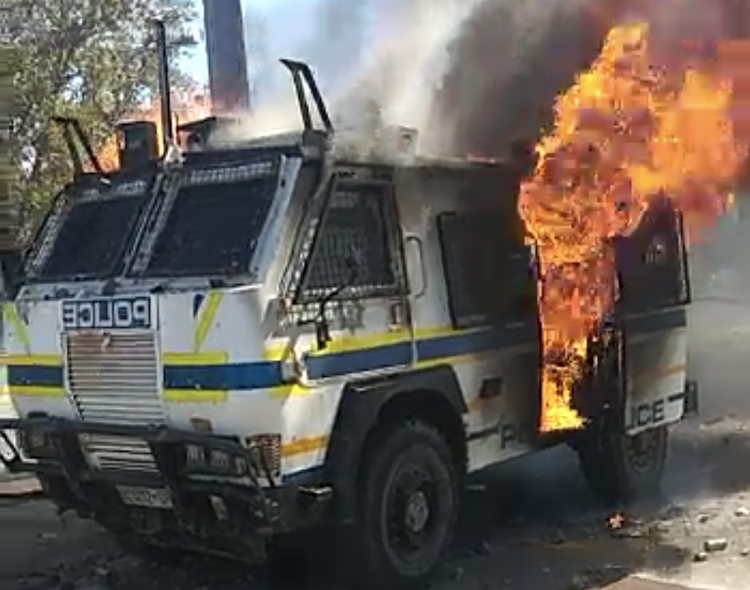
[8,107]
[88,59]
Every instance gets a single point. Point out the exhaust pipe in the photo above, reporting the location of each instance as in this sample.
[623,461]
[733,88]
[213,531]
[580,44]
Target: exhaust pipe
[165,92]
[227,60]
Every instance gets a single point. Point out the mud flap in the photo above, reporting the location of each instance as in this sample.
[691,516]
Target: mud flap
[692,404]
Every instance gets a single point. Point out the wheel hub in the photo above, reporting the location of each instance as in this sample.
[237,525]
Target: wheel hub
[417,512]
[641,450]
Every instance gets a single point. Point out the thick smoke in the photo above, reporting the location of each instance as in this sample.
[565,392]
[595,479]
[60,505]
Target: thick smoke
[509,62]
[436,65]
[512,58]
[339,38]
[403,63]
[470,75]
[388,52]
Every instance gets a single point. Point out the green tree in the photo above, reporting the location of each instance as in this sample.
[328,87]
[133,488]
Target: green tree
[89,59]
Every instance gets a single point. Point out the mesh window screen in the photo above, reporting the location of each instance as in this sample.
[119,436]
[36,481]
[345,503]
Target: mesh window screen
[358,229]
[213,228]
[92,237]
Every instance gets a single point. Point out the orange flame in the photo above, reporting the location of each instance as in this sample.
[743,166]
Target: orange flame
[624,133]
[616,521]
[191,107]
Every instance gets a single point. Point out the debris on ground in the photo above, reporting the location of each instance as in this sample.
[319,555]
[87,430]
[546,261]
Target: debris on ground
[715,545]
[700,557]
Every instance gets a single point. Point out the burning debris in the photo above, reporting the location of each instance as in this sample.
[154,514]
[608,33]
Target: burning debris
[628,132]
[616,521]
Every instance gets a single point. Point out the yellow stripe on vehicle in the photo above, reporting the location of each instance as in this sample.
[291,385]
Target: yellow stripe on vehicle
[206,317]
[349,342]
[280,349]
[195,358]
[34,359]
[36,390]
[184,396]
[301,446]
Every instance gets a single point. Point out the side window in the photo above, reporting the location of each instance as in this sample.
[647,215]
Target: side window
[357,246]
[651,262]
[489,272]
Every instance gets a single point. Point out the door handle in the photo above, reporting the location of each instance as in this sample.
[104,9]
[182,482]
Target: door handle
[419,247]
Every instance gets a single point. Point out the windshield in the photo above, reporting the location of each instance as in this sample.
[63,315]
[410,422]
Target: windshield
[215,221]
[87,237]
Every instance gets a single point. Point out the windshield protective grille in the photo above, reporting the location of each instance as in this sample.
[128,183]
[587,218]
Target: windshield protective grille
[90,234]
[213,225]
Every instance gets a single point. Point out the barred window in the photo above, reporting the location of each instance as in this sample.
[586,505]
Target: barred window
[356,245]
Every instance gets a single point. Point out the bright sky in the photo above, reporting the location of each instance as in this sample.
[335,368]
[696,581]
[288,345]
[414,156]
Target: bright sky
[285,21]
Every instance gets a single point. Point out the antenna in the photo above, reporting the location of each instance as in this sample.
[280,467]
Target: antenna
[165,90]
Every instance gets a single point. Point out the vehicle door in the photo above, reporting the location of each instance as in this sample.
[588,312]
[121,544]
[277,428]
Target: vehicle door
[349,288]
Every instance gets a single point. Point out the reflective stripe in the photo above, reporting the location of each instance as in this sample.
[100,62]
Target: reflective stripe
[206,316]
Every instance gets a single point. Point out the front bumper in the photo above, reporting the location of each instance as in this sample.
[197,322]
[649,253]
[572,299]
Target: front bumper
[212,504]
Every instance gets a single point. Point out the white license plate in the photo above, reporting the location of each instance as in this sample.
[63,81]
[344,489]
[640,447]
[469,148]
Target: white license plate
[145,497]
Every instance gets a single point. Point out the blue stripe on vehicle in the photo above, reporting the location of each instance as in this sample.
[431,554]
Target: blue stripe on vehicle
[251,375]
[35,375]
[336,364]
[255,375]
[459,344]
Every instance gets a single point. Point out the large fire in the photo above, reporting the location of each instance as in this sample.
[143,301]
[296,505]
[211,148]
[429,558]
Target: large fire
[190,106]
[627,131]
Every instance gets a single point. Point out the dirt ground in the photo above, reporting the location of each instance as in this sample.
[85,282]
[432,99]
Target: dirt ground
[531,525]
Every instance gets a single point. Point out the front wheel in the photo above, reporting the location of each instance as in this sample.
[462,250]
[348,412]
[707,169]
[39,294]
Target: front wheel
[623,468]
[408,506]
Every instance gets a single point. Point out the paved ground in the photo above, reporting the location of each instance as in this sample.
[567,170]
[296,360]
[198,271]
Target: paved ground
[533,526]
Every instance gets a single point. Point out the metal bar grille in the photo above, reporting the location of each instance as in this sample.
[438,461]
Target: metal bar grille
[118,453]
[114,378]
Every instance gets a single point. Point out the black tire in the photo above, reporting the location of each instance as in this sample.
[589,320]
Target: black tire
[408,506]
[621,468]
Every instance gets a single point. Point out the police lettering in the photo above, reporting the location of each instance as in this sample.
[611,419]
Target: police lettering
[648,414]
[107,314]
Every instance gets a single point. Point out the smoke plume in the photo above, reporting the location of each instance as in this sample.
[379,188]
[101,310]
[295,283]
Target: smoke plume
[512,58]
[507,65]
[470,75]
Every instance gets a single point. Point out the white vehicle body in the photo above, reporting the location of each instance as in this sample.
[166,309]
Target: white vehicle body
[231,356]
[236,343]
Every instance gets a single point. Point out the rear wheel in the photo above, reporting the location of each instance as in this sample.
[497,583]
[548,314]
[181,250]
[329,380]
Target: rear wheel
[408,505]
[624,468]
